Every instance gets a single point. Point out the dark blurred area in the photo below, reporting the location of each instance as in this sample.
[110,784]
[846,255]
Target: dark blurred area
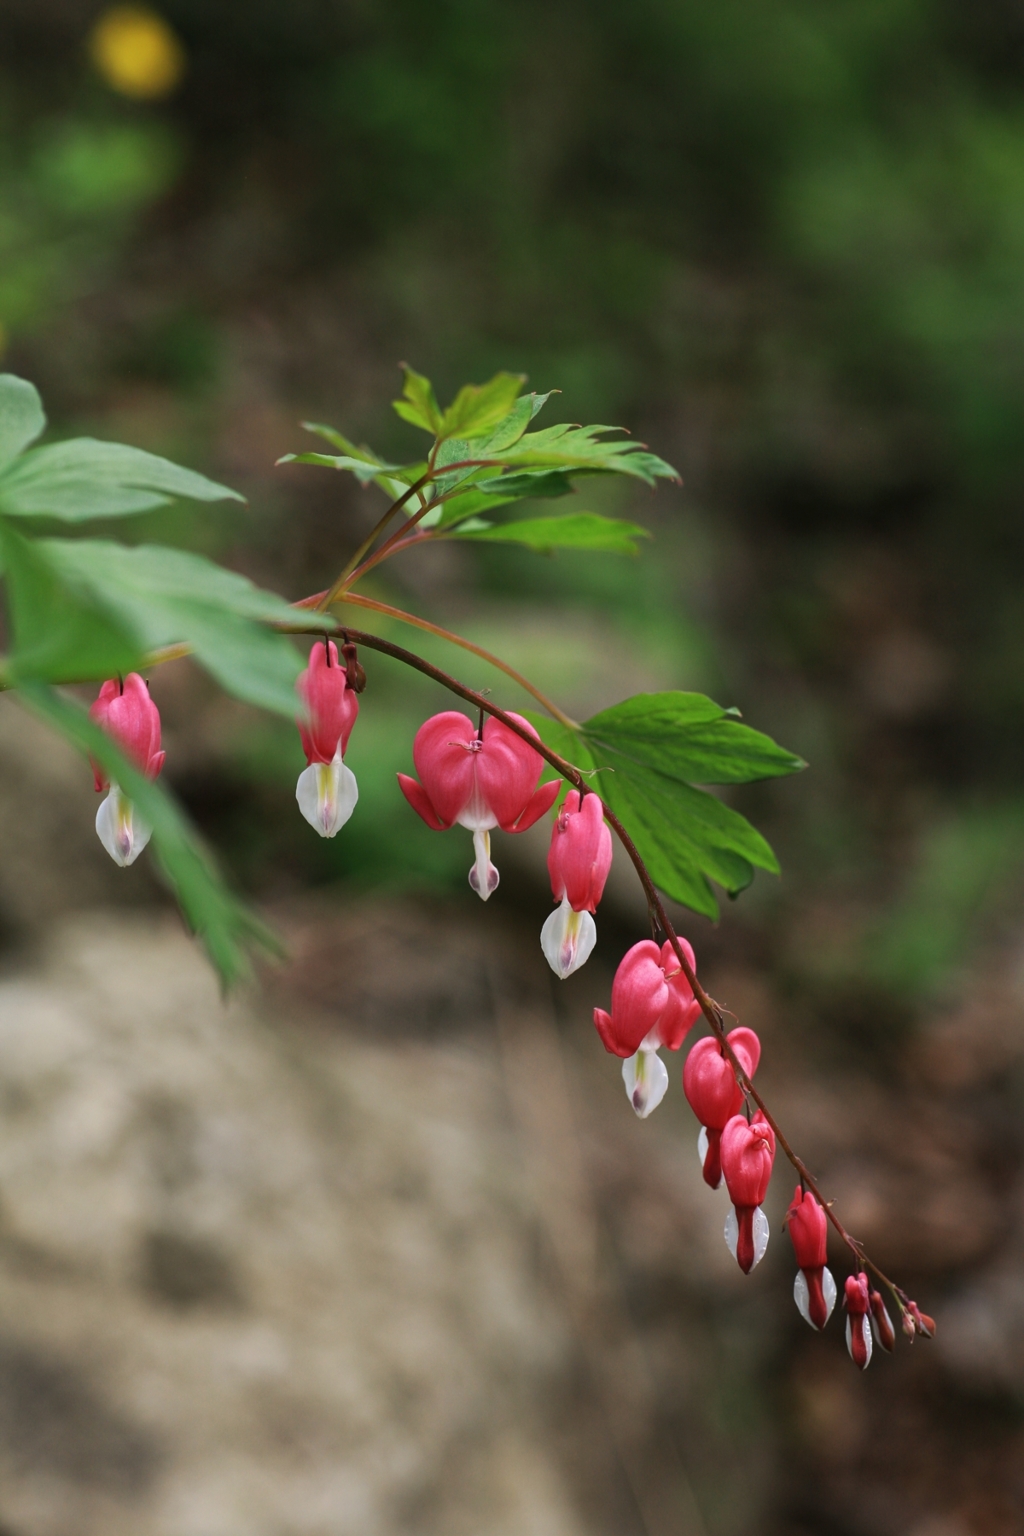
[784,244]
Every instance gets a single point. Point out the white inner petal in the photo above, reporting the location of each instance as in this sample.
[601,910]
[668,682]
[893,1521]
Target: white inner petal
[760,1236]
[732,1231]
[483,876]
[646,1078]
[859,1321]
[567,939]
[120,829]
[828,1287]
[801,1296]
[327,794]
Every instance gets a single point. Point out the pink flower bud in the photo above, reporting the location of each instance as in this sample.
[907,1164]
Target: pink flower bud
[814,1289]
[881,1323]
[580,854]
[682,1009]
[478,780]
[748,1152]
[331,703]
[639,996]
[127,713]
[710,1085]
[858,1329]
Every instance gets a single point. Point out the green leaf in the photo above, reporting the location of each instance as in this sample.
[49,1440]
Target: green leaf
[652,752]
[21,415]
[227,928]
[82,479]
[537,485]
[478,409]
[91,608]
[577,530]
[366,471]
[512,427]
[419,405]
[688,736]
[585,449]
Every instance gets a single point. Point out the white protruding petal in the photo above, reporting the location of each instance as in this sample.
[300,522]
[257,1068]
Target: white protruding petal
[761,1234]
[801,1296]
[567,939]
[861,1322]
[327,795]
[122,832]
[483,877]
[828,1290]
[646,1078]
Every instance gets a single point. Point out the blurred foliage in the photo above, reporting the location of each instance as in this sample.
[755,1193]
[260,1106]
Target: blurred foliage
[786,241]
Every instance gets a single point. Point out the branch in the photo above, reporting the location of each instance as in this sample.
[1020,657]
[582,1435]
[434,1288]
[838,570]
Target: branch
[711,1010]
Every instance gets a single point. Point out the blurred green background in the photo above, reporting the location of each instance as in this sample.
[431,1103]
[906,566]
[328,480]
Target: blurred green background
[782,242]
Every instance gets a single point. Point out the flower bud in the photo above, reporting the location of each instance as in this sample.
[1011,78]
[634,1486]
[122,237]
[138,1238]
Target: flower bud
[126,712]
[858,1330]
[881,1323]
[580,854]
[326,791]
[639,996]
[814,1289]
[748,1152]
[923,1324]
[710,1085]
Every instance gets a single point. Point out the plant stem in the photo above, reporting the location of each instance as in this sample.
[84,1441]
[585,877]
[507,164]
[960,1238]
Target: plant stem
[396,506]
[359,601]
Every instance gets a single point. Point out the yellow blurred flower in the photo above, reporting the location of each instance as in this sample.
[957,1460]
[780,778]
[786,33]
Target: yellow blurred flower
[136,52]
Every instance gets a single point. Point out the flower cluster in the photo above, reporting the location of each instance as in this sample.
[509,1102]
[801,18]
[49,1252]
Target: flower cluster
[488,775]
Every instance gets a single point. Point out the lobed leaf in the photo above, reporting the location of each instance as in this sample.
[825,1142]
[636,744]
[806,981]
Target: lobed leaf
[226,926]
[83,478]
[576,530]
[21,416]
[479,409]
[419,404]
[651,753]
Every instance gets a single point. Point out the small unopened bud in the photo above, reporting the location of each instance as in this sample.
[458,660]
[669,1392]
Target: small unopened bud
[923,1324]
[355,677]
[909,1327]
[881,1323]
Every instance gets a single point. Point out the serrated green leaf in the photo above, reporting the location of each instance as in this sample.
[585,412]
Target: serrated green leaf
[649,750]
[478,409]
[687,736]
[366,471]
[587,450]
[576,530]
[512,427]
[419,406]
[92,608]
[83,478]
[21,416]
[534,485]
[227,928]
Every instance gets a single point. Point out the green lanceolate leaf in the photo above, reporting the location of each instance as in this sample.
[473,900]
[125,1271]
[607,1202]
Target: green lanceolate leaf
[82,479]
[227,928]
[651,753]
[21,416]
[577,530]
[419,404]
[366,471]
[479,409]
[91,608]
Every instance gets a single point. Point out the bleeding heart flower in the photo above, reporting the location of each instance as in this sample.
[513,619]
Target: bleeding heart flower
[479,779]
[326,790]
[858,1329]
[748,1152]
[579,859]
[814,1289]
[652,1005]
[126,712]
[710,1085]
